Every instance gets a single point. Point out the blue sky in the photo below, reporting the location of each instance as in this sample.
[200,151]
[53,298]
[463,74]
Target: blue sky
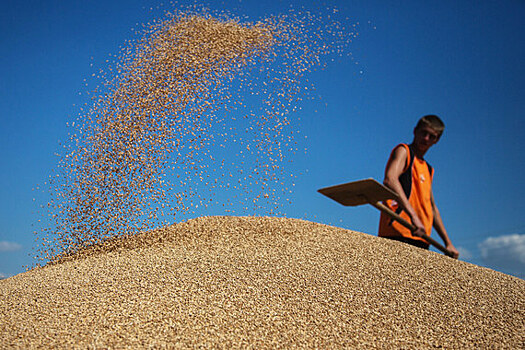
[462,60]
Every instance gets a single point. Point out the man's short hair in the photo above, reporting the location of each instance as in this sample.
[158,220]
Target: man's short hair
[432,121]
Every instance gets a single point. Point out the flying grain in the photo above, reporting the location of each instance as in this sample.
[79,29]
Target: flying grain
[195,115]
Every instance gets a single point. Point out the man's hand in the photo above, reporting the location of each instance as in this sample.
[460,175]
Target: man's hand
[453,250]
[420,229]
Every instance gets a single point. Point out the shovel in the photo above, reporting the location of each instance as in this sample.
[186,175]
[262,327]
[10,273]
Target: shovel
[369,191]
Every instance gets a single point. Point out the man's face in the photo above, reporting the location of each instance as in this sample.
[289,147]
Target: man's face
[425,137]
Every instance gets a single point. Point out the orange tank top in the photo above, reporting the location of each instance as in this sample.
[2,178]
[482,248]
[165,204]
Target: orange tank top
[416,180]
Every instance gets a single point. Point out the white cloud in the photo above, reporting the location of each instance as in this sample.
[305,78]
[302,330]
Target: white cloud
[9,246]
[506,253]
[2,276]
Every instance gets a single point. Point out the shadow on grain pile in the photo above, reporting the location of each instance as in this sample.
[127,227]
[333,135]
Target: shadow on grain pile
[260,282]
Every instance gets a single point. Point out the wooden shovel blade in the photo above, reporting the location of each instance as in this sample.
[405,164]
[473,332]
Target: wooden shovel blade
[359,192]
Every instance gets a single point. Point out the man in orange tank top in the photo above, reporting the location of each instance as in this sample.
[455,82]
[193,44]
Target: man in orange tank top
[410,176]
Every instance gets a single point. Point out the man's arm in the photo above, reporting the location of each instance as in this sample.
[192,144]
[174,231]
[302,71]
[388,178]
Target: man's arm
[440,228]
[394,169]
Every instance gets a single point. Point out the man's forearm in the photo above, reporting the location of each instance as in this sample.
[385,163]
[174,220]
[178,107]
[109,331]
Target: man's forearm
[442,233]
[439,226]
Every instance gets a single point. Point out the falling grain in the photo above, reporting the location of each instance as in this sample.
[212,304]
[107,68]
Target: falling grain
[199,108]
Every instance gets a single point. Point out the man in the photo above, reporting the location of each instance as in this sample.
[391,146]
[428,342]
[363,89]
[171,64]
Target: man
[410,176]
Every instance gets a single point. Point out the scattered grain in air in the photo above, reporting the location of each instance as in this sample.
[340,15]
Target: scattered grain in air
[156,115]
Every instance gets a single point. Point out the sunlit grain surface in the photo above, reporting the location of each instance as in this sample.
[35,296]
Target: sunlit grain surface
[257,282]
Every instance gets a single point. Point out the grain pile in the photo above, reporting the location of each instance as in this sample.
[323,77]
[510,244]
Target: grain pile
[196,113]
[258,282]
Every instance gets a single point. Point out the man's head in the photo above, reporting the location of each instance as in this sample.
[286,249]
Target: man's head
[428,132]
[432,121]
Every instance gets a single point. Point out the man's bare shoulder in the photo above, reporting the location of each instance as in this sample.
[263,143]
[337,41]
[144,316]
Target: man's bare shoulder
[400,153]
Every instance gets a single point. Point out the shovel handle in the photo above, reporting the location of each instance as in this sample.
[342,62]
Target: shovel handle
[411,227]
